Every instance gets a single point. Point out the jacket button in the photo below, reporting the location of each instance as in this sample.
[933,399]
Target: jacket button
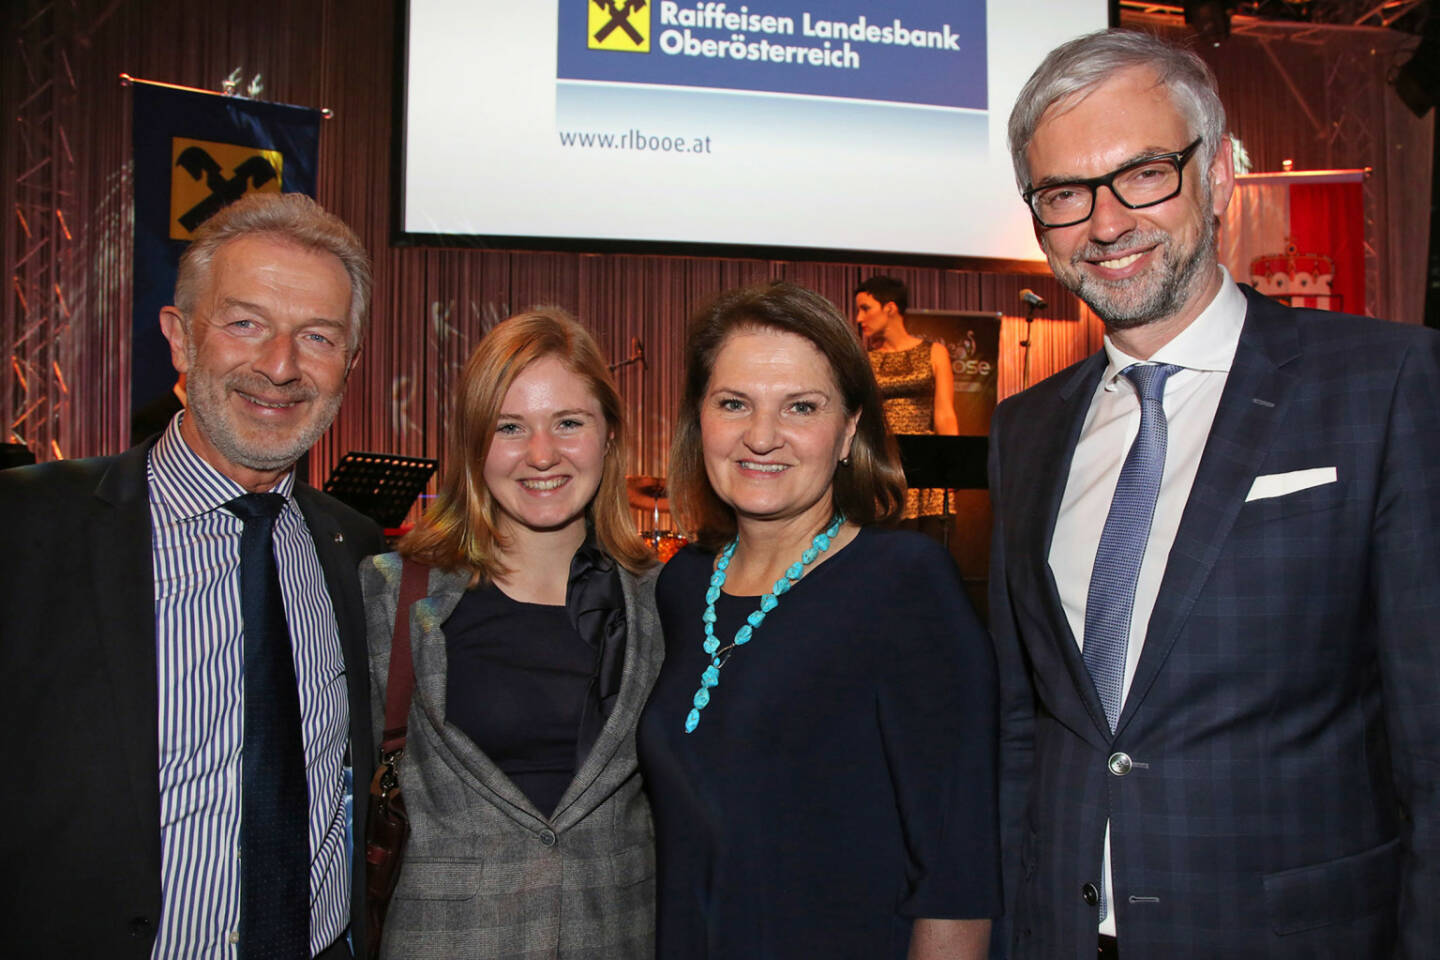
[1090,894]
[547,837]
[1120,764]
[141,927]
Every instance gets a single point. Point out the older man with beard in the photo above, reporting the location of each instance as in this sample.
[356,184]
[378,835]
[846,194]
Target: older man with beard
[1216,571]
[184,646]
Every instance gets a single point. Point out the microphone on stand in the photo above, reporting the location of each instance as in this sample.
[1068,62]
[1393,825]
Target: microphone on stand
[637,351]
[1033,301]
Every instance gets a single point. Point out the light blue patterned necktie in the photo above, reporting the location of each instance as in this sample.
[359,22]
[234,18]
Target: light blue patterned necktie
[1111,600]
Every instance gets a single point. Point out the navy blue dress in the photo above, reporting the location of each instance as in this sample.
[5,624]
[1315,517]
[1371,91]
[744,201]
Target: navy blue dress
[842,780]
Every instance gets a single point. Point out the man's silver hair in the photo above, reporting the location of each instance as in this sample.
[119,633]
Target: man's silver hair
[291,217]
[1077,67]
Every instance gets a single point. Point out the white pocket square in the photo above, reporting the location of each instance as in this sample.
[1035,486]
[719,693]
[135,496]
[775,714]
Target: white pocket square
[1280,484]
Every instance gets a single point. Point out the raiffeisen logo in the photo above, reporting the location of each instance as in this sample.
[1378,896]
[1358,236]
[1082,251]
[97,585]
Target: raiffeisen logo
[619,25]
[206,176]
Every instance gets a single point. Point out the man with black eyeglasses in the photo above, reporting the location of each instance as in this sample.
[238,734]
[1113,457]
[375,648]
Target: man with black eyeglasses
[1215,585]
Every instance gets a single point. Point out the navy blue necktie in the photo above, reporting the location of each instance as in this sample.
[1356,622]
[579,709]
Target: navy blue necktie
[1111,600]
[274,833]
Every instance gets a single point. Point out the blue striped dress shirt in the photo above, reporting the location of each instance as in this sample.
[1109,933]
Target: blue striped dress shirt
[196,553]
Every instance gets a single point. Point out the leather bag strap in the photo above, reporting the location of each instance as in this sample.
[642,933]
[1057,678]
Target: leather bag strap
[400,684]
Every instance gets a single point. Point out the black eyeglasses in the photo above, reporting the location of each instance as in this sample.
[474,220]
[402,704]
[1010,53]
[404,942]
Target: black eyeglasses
[1143,183]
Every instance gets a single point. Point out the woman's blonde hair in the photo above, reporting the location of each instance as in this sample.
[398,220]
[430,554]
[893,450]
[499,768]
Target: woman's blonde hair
[460,531]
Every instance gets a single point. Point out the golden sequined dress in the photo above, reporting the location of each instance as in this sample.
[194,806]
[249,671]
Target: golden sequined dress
[907,386]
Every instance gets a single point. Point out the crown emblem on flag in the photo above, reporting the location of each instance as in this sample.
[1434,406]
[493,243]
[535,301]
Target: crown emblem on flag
[1300,279]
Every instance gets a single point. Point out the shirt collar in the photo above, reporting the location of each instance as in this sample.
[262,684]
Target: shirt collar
[183,482]
[1207,344]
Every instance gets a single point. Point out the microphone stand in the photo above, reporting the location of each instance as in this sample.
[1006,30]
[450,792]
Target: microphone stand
[1025,344]
[637,355]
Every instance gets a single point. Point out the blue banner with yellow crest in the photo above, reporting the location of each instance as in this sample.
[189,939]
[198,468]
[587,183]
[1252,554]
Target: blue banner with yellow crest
[195,152]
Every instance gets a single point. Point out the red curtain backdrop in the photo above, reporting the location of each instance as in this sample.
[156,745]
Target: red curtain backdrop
[1329,218]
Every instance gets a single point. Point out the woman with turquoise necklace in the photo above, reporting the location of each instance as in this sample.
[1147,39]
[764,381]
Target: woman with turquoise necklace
[820,745]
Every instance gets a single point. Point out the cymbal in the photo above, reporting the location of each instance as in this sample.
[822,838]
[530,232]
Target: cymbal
[652,487]
[643,492]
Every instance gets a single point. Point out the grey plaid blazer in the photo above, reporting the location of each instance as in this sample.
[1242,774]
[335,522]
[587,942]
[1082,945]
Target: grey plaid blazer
[486,875]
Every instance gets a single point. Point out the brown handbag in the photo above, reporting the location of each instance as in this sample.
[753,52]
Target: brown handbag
[387,828]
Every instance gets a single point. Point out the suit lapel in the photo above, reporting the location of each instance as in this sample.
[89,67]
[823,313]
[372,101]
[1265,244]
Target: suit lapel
[343,585]
[1049,467]
[1256,396]
[427,645]
[578,799]
[123,576]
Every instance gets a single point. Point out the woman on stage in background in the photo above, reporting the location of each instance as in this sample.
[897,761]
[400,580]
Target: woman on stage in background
[534,649]
[820,745]
[916,381]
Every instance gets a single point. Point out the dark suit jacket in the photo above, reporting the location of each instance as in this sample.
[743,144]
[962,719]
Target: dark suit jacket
[79,710]
[1284,719]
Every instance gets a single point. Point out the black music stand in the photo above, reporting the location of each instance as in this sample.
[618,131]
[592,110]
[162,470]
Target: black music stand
[947,463]
[15,455]
[383,486]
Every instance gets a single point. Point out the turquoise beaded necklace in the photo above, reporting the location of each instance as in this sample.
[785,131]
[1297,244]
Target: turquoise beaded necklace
[719,655]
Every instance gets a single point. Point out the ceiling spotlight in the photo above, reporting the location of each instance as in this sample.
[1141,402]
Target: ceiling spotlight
[1210,19]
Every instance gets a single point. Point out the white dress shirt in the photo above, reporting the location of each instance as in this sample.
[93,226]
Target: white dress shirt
[1204,350]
